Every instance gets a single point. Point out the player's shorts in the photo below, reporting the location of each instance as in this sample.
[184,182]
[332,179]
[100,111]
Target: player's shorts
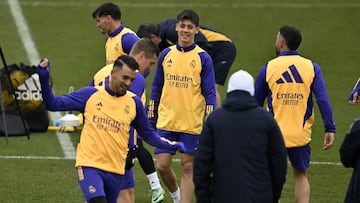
[96,183]
[299,157]
[223,56]
[190,141]
[129,180]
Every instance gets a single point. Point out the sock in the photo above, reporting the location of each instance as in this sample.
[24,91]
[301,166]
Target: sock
[175,196]
[154,180]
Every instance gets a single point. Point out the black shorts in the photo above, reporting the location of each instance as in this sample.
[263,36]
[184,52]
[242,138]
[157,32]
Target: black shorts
[223,55]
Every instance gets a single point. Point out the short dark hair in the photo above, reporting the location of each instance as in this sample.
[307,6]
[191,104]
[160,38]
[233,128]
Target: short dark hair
[128,60]
[108,9]
[189,15]
[148,29]
[147,46]
[292,36]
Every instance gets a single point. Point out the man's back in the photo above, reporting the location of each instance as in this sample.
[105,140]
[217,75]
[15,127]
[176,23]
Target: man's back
[242,144]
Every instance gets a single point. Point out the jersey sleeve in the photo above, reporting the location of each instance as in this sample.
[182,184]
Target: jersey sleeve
[157,85]
[323,100]
[208,82]
[356,89]
[74,101]
[143,127]
[261,87]
[128,40]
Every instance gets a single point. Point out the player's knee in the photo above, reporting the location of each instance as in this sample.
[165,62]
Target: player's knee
[100,199]
[186,167]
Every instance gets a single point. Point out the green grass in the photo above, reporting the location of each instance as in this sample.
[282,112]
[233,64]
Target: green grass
[64,31]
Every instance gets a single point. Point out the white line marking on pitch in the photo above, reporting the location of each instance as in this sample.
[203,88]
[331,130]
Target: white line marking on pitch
[34,58]
[174,160]
[202,5]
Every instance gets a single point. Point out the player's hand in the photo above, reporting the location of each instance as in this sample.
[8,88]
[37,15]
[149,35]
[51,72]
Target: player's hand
[168,141]
[328,140]
[354,98]
[44,63]
[130,158]
[180,146]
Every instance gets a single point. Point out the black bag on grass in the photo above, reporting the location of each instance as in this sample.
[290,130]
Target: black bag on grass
[26,91]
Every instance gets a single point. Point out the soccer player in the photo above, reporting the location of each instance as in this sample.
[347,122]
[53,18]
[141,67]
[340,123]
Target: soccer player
[183,91]
[109,111]
[354,97]
[145,52]
[218,45]
[288,81]
[241,155]
[120,39]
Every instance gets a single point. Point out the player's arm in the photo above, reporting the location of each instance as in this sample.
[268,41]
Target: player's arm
[143,127]
[208,82]
[354,97]
[128,40]
[157,85]
[323,100]
[74,101]
[261,87]
[324,105]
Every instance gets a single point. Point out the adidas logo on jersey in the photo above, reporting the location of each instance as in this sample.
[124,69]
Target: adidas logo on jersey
[290,77]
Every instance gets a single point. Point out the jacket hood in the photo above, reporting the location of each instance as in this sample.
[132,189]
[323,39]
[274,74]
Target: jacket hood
[239,100]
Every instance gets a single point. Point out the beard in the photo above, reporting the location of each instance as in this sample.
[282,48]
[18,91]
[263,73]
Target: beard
[277,51]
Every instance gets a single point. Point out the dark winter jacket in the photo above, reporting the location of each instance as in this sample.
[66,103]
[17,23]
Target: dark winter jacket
[241,155]
[350,157]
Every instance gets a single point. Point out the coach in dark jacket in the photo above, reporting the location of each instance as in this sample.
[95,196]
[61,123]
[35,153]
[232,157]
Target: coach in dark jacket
[241,155]
[350,157]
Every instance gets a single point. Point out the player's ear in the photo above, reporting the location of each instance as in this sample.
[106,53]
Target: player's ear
[197,29]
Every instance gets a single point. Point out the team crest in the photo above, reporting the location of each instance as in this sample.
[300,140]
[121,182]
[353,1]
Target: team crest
[92,189]
[192,64]
[99,106]
[116,48]
[127,109]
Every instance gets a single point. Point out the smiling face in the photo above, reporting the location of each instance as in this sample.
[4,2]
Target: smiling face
[121,79]
[145,63]
[103,23]
[186,30]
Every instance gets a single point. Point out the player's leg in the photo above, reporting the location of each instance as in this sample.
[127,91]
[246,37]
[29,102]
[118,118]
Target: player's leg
[300,160]
[187,158]
[218,97]
[163,165]
[302,187]
[126,193]
[147,164]
[167,174]
[186,184]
